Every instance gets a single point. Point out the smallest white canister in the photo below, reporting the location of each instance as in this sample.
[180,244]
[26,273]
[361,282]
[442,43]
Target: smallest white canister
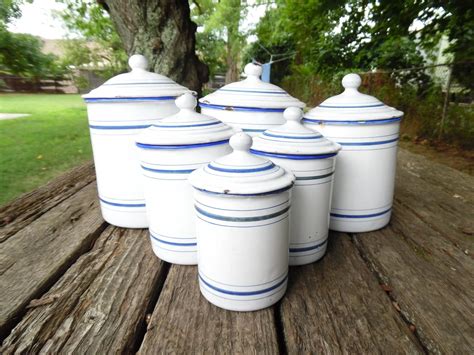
[242,204]
[169,151]
[311,158]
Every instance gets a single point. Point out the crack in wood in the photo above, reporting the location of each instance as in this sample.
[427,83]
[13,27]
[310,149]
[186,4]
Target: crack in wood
[384,280]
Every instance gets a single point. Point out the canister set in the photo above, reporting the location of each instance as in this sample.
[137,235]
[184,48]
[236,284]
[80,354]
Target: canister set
[244,188]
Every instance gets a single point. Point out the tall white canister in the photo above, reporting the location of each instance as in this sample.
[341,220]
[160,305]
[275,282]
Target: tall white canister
[311,158]
[118,110]
[250,105]
[368,132]
[169,151]
[242,205]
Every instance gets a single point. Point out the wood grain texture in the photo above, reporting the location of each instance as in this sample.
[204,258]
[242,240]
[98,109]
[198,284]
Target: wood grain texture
[36,256]
[99,305]
[337,306]
[425,254]
[28,207]
[184,322]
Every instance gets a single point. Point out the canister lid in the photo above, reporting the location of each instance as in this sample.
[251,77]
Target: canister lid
[292,140]
[241,173]
[137,84]
[250,93]
[352,106]
[185,128]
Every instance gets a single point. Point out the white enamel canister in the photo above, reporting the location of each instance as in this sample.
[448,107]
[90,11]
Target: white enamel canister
[118,110]
[169,151]
[250,105]
[242,205]
[368,132]
[311,158]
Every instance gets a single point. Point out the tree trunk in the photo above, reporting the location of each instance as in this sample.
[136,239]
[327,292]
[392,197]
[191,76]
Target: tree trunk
[163,32]
[232,55]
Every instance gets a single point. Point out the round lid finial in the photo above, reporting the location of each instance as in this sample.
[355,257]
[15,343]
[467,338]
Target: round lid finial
[253,70]
[138,61]
[294,114]
[240,141]
[186,101]
[351,81]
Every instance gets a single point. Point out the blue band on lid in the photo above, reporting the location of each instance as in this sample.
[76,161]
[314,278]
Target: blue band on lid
[240,108]
[291,137]
[292,156]
[125,99]
[252,170]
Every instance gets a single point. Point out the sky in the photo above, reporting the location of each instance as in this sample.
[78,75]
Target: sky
[38,19]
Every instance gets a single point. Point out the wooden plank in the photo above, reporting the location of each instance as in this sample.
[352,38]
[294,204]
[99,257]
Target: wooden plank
[425,255]
[337,306]
[36,256]
[440,196]
[29,206]
[100,304]
[184,322]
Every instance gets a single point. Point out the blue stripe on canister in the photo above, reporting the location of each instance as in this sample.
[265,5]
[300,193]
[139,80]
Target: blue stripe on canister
[172,243]
[188,126]
[317,177]
[181,146]
[119,127]
[166,171]
[339,215]
[312,247]
[240,108]
[354,144]
[241,219]
[127,99]
[360,122]
[243,293]
[121,204]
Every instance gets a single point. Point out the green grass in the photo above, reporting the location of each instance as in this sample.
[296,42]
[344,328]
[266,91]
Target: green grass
[36,148]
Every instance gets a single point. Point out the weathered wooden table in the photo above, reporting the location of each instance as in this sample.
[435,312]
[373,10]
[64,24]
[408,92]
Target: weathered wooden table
[72,283]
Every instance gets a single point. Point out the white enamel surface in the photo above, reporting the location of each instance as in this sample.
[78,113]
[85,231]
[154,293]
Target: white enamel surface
[139,83]
[119,179]
[310,207]
[242,228]
[311,196]
[243,265]
[169,199]
[252,92]
[169,151]
[352,105]
[241,173]
[186,126]
[251,122]
[365,175]
[250,105]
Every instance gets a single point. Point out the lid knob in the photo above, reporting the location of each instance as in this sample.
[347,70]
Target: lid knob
[138,61]
[351,81]
[293,114]
[253,70]
[240,142]
[186,101]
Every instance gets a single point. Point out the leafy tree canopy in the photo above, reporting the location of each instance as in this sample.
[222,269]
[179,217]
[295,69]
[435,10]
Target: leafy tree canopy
[98,43]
